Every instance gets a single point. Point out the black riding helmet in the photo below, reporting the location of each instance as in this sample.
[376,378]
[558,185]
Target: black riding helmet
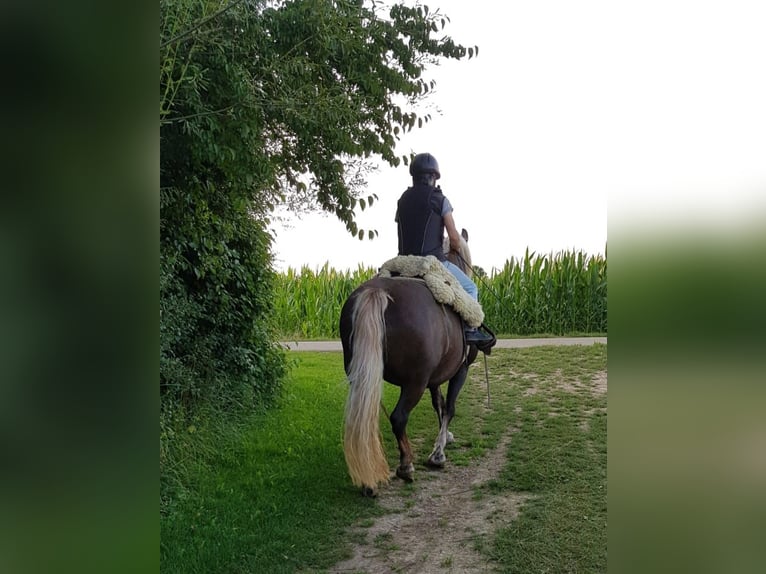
[424,164]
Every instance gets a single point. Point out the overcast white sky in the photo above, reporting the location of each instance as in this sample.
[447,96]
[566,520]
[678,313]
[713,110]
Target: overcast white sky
[571,107]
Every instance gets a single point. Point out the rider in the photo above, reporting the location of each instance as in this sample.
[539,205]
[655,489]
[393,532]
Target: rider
[422,215]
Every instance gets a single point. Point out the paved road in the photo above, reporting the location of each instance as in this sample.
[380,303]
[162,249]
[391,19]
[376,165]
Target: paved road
[501,343]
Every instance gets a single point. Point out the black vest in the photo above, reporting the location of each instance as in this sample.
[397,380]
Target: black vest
[421,226]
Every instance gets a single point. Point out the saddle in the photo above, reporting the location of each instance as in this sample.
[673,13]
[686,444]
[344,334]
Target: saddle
[443,285]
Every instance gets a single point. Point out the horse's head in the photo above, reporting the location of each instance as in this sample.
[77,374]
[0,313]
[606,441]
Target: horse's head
[462,257]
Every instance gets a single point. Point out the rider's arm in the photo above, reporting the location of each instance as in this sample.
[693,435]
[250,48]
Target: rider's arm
[454,236]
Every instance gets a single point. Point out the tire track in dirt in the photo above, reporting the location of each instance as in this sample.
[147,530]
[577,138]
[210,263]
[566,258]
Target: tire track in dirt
[434,527]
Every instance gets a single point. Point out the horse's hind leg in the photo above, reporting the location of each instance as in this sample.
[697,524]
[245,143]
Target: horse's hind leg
[440,407]
[399,417]
[445,412]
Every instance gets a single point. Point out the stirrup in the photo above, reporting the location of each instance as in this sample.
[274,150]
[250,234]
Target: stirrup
[484,341]
[476,336]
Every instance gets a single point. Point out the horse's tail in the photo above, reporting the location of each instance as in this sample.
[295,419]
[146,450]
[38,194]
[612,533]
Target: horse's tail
[362,445]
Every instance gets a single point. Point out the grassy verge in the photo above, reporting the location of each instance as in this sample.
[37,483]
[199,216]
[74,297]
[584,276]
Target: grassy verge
[274,495]
[558,454]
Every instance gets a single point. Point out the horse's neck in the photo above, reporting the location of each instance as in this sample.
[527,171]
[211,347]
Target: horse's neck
[460,257]
[463,255]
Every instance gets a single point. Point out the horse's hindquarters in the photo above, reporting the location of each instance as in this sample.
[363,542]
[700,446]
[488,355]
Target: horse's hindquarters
[392,328]
[424,339]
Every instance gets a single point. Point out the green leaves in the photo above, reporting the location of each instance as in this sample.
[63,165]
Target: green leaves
[298,85]
[268,104]
[370,198]
[215,302]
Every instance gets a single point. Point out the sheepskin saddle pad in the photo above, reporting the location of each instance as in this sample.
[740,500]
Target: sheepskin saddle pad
[443,284]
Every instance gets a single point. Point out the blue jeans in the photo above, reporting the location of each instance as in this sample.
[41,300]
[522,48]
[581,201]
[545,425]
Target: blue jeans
[463,279]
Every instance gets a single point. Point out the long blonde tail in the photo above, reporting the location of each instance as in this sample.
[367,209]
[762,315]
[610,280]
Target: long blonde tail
[362,446]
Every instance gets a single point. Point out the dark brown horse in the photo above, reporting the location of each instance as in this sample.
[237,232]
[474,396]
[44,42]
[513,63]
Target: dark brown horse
[393,329]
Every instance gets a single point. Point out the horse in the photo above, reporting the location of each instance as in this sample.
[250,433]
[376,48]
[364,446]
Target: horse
[393,329]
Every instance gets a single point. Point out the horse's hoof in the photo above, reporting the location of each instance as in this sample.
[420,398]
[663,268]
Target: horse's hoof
[436,461]
[369,492]
[405,473]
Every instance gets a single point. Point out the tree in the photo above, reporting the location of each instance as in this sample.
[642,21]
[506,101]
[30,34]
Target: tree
[479,272]
[265,104]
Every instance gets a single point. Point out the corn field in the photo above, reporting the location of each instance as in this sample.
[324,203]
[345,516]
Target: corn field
[308,303]
[555,294]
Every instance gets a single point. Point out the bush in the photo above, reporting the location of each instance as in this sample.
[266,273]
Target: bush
[216,327]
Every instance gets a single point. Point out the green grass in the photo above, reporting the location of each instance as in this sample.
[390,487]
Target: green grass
[559,456]
[274,495]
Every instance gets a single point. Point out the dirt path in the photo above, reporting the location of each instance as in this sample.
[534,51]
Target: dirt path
[434,526]
[501,343]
